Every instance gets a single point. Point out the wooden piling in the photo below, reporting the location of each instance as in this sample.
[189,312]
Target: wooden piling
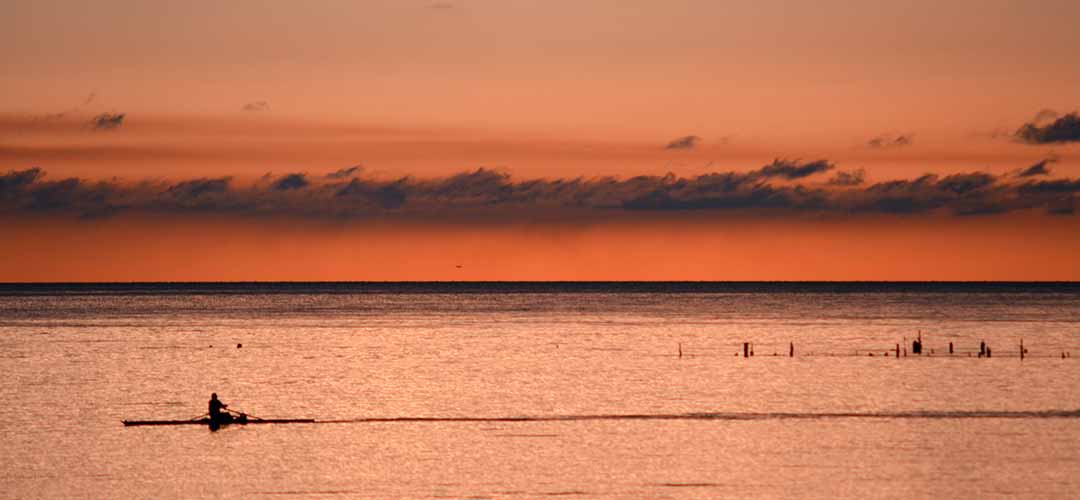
[680,350]
[746,349]
[1021,349]
[791,349]
[950,349]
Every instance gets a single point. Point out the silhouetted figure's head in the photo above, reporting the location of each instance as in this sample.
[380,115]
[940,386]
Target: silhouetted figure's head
[213,395]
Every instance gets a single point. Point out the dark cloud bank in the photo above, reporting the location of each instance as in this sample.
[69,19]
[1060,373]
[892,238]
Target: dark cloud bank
[779,188]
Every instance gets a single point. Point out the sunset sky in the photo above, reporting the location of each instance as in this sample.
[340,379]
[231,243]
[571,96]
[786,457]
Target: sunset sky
[526,140]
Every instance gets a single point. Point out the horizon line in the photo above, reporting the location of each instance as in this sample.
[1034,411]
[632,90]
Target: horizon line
[541,282]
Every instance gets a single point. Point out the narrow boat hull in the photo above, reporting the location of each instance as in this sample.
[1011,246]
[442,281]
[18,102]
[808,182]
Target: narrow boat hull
[206,421]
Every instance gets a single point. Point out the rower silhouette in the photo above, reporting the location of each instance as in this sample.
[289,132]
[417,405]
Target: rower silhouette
[216,415]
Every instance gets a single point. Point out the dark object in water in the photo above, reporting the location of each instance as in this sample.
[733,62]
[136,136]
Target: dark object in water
[240,420]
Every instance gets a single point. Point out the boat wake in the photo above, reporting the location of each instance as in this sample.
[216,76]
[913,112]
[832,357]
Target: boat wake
[946,415]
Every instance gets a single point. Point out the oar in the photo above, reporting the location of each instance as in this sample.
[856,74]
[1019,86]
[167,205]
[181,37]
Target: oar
[201,416]
[242,413]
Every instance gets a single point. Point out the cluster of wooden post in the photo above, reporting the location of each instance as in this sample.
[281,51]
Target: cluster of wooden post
[916,348]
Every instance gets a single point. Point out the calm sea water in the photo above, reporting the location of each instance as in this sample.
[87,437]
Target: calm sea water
[542,390]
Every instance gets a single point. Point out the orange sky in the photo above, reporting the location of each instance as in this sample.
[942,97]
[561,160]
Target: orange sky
[875,249]
[534,90]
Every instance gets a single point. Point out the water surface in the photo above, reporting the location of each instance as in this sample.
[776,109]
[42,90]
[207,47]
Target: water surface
[512,390]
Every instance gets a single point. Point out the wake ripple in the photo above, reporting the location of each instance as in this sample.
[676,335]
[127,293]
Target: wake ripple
[948,414]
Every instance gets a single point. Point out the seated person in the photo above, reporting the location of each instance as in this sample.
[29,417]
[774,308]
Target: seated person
[216,407]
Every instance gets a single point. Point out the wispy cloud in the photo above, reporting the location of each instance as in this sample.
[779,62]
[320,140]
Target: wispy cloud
[86,102]
[344,173]
[1044,116]
[685,142]
[256,106]
[779,188]
[291,182]
[789,169]
[1040,168]
[890,141]
[196,189]
[848,178]
[107,121]
[1049,128]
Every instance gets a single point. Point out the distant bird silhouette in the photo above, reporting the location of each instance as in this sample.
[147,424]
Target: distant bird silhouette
[459,266]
